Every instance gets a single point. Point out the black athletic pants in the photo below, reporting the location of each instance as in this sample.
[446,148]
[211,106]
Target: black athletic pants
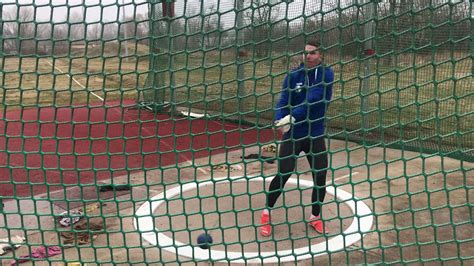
[315,150]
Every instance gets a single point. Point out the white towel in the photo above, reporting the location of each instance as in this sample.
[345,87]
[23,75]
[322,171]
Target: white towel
[9,244]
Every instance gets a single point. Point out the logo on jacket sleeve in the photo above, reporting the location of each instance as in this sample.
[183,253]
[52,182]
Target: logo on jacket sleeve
[299,87]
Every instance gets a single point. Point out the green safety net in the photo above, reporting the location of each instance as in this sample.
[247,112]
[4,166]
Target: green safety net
[131,128]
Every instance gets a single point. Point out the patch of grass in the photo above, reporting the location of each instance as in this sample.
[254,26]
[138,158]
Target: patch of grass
[426,100]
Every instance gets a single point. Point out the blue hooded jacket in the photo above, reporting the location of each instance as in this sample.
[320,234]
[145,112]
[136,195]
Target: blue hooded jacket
[305,95]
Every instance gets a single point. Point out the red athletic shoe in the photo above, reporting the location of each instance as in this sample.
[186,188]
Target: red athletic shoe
[265,227]
[317,224]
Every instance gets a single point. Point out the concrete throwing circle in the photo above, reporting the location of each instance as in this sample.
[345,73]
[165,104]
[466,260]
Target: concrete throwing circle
[361,224]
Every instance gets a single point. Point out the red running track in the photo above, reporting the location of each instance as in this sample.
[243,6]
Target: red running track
[44,149]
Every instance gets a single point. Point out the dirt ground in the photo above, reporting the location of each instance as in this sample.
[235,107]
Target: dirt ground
[422,209]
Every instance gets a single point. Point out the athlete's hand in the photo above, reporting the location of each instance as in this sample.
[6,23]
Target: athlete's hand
[285,123]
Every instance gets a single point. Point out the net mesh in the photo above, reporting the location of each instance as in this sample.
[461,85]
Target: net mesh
[129,128]
[409,91]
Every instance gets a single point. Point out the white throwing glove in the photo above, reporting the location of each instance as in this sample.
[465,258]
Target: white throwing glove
[285,123]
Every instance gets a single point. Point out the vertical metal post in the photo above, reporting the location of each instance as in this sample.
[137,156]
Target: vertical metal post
[369,49]
[240,57]
[168,13]
[155,85]
[124,30]
[1,30]
[2,213]
[2,51]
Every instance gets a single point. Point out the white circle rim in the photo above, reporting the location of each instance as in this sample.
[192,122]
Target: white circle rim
[360,225]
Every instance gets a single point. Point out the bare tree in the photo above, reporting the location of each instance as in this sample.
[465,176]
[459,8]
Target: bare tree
[44,38]
[110,31]
[128,27]
[261,17]
[194,33]
[205,30]
[211,27]
[19,29]
[408,24]
[142,28]
[60,39]
[94,33]
[77,26]
[26,30]
[158,27]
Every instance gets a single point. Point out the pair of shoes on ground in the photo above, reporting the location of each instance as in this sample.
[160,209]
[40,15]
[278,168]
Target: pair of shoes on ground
[266,229]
